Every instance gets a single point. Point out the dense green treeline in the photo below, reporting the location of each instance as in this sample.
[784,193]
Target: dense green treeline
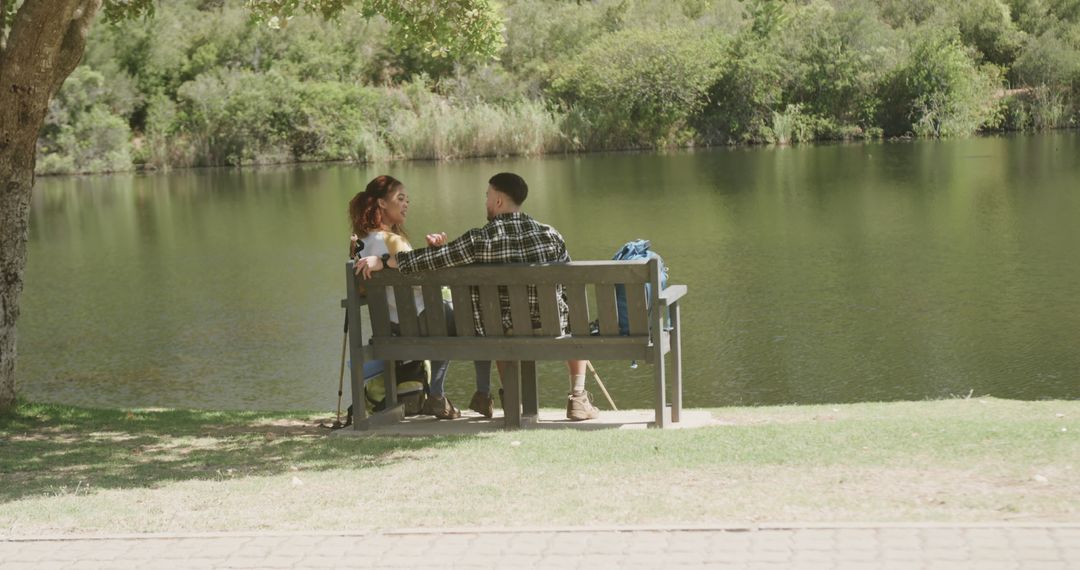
[202,84]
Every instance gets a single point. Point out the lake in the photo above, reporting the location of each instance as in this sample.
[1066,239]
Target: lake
[832,273]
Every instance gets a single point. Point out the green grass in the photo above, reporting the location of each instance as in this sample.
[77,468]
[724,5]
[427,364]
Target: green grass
[69,469]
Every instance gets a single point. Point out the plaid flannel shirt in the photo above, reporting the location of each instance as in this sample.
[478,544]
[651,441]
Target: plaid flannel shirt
[509,238]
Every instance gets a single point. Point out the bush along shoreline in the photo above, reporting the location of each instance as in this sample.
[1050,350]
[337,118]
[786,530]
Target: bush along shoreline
[201,84]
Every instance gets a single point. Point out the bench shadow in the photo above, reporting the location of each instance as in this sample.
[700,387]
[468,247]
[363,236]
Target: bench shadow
[55,450]
[472,424]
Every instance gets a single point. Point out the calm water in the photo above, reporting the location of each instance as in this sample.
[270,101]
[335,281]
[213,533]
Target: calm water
[817,274]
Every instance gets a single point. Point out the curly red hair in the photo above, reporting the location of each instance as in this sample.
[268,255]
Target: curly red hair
[364,211]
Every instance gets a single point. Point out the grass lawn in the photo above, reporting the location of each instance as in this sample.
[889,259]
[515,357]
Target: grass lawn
[77,470]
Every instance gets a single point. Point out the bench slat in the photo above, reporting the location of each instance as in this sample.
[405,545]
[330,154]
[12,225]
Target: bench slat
[605,305]
[579,309]
[434,315]
[519,309]
[490,310]
[513,348]
[549,310]
[406,310]
[463,314]
[636,311]
[606,272]
[380,313]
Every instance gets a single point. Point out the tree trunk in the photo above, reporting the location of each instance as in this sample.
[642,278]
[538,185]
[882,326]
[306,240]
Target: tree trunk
[46,42]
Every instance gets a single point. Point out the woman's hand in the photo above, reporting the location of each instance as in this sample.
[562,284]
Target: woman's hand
[365,266]
[435,240]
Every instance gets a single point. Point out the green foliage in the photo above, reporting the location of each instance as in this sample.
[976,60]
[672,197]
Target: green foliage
[1048,59]
[903,13]
[541,33]
[482,84]
[446,28]
[237,117]
[741,101]
[333,121]
[82,131]
[838,56]
[1039,108]
[767,16]
[639,88]
[939,90]
[114,11]
[985,25]
[203,82]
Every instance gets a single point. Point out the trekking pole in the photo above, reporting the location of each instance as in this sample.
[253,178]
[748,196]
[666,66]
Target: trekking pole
[341,375]
[354,246]
[601,383]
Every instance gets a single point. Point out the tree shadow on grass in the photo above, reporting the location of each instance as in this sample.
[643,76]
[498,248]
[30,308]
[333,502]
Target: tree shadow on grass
[55,450]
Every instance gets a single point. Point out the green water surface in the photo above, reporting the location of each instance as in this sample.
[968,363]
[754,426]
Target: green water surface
[887,271]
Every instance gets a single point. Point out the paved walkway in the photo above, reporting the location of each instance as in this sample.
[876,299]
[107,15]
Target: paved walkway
[841,547]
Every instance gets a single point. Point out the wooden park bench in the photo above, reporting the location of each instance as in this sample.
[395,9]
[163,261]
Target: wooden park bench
[649,338]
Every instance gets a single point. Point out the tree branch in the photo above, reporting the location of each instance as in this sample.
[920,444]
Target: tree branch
[3,24]
[74,43]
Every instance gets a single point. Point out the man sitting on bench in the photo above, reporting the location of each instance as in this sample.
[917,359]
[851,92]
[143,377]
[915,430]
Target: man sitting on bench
[510,236]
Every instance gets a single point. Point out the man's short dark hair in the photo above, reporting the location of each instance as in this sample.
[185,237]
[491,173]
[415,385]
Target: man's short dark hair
[512,185]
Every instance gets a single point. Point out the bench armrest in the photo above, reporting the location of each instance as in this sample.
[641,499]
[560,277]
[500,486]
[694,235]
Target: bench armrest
[672,294]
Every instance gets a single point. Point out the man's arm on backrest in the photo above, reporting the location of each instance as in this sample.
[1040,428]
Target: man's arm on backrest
[458,252]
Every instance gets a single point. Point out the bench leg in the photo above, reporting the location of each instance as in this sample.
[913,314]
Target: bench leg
[390,383]
[355,334]
[661,396]
[530,389]
[676,365]
[662,414]
[511,379]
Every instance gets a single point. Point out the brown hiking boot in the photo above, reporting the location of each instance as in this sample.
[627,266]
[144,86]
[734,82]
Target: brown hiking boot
[579,407]
[441,408]
[483,404]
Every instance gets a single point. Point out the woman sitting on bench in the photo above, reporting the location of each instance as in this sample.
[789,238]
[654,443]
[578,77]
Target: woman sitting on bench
[378,217]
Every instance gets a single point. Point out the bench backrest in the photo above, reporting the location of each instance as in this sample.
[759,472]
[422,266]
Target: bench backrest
[589,288]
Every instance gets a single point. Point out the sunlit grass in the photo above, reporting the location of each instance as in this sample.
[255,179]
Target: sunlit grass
[78,470]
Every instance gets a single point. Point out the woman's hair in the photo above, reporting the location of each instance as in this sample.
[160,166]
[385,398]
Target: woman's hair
[364,209]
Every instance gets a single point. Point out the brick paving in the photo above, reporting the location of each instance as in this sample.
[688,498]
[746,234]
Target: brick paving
[833,547]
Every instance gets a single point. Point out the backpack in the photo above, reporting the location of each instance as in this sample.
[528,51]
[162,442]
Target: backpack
[413,377]
[636,249]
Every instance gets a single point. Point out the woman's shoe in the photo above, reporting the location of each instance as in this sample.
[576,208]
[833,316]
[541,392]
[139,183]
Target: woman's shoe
[441,408]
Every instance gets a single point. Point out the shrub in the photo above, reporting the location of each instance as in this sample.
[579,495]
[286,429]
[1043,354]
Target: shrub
[81,133]
[939,90]
[748,88]
[985,25]
[238,117]
[837,57]
[639,88]
[335,121]
[1047,59]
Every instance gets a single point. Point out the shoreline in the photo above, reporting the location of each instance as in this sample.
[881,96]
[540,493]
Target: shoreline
[142,170]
